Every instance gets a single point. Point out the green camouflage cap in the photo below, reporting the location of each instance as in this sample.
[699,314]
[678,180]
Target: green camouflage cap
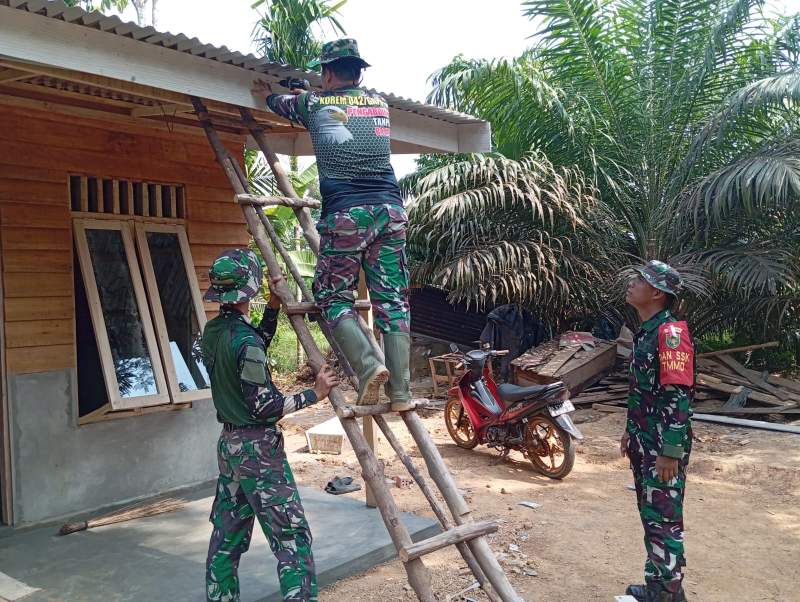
[662,277]
[338,49]
[236,276]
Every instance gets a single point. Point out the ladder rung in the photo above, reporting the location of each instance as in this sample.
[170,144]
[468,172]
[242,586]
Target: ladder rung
[308,307]
[448,538]
[274,201]
[378,408]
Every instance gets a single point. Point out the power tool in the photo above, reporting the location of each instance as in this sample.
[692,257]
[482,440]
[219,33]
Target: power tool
[294,83]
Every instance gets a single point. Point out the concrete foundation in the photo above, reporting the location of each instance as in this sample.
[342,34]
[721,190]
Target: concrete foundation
[60,469]
[163,557]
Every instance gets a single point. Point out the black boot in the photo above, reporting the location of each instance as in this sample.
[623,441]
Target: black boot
[654,592]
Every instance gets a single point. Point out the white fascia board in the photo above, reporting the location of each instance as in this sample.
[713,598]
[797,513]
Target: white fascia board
[32,38]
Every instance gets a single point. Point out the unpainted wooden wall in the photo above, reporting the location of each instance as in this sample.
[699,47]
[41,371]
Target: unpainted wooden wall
[39,150]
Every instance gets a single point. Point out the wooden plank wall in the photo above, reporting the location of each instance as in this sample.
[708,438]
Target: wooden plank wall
[39,150]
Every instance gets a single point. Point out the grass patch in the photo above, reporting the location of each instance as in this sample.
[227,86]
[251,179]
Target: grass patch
[282,352]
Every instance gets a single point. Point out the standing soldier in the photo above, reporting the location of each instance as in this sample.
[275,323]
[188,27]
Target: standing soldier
[363,223]
[255,480]
[658,437]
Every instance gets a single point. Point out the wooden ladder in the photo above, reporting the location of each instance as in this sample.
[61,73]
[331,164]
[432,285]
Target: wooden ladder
[460,529]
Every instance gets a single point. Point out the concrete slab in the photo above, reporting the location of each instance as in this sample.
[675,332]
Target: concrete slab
[163,557]
[12,590]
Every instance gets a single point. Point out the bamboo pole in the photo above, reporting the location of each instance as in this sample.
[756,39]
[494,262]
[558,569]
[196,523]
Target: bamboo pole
[445,520]
[449,538]
[275,201]
[458,507]
[372,471]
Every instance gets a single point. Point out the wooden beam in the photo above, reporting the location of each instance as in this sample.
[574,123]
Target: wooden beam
[738,349]
[741,370]
[448,538]
[160,109]
[11,75]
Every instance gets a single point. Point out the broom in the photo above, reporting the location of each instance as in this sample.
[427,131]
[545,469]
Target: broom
[139,510]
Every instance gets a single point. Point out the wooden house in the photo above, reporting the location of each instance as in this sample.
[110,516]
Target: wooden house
[112,208]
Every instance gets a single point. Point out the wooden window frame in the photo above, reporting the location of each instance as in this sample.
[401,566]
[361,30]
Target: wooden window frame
[116,401]
[141,229]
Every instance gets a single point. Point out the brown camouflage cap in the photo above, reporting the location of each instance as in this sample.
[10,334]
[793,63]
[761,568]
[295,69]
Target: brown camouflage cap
[236,276]
[662,276]
[338,49]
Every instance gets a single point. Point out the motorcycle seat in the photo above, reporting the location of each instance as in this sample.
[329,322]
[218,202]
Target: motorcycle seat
[513,393]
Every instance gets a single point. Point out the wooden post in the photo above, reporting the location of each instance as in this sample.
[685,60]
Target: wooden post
[372,471]
[6,511]
[370,432]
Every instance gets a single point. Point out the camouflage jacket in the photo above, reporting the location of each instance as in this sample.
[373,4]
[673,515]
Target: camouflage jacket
[234,352]
[661,386]
[350,132]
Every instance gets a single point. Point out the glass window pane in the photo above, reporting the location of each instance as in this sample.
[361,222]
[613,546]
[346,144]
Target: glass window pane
[183,327]
[123,321]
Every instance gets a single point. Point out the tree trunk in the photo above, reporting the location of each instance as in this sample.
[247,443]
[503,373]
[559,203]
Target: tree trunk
[141,18]
[155,15]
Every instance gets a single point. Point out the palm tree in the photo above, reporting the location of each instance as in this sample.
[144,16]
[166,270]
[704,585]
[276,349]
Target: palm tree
[684,116]
[284,32]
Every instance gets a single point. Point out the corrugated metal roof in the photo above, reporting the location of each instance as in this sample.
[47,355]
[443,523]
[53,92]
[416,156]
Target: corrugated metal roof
[57,9]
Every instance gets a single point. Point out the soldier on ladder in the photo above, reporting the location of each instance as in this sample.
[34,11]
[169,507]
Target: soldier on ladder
[363,222]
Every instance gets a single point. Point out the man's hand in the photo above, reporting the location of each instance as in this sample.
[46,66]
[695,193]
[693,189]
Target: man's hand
[667,468]
[326,380]
[261,89]
[274,301]
[623,444]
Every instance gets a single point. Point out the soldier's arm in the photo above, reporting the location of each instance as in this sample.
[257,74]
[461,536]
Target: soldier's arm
[675,379]
[262,397]
[290,106]
[269,325]
[675,412]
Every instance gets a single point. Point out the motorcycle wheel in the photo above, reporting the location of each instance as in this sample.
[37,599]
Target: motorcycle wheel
[550,451]
[459,425]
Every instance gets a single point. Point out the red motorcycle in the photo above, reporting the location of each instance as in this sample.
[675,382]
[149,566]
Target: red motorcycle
[533,420]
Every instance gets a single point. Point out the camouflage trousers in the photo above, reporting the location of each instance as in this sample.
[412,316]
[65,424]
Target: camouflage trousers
[255,482]
[372,238]
[661,510]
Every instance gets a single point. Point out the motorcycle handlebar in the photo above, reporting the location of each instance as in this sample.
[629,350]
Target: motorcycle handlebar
[505,352]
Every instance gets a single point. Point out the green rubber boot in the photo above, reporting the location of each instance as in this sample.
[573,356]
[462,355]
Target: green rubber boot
[396,346]
[371,373]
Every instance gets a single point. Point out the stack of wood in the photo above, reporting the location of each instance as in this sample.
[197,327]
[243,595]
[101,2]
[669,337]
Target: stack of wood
[724,386]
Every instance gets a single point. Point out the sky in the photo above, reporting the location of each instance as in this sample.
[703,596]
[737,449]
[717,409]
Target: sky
[404,40]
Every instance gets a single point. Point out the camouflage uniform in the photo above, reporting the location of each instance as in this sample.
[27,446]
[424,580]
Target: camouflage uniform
[363,222]
[373,238]
[662,373]
[255,480]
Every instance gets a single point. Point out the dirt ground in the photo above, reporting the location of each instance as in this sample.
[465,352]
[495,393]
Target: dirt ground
[742,514]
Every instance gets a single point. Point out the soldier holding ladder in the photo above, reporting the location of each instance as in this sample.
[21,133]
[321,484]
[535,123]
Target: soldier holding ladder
[255,480]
